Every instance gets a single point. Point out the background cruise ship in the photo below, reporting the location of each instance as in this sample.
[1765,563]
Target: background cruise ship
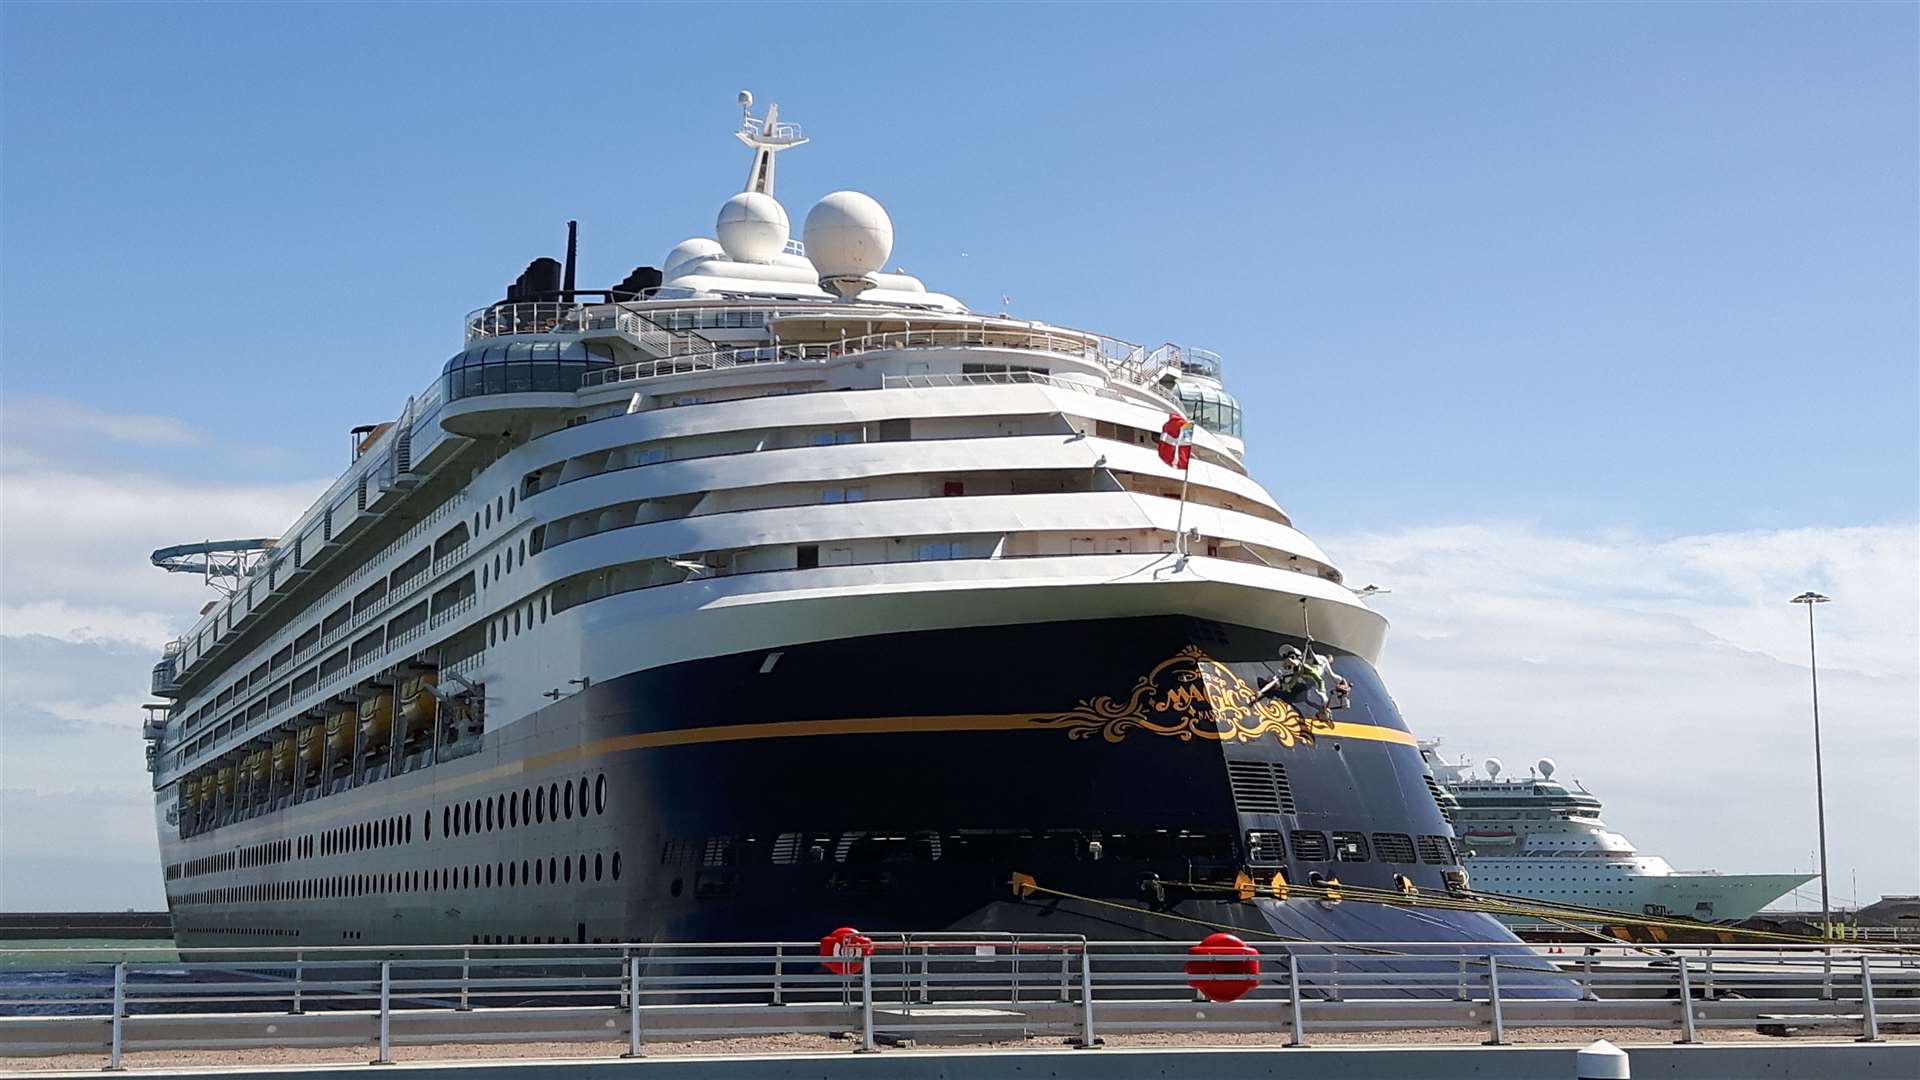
[1534,837]
[768,592]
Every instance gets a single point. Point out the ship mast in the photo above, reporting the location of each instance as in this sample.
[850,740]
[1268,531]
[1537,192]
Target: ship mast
[767,138]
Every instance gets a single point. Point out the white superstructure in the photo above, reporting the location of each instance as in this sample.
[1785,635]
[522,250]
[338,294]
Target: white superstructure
[1532,836]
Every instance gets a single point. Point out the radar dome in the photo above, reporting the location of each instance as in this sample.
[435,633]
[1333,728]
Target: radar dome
[1494,767]
[688,250]
[1545,765]
[753,227]
[848,235]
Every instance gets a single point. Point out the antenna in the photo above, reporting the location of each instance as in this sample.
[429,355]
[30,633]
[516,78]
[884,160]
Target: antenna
[767,138]
[573,256]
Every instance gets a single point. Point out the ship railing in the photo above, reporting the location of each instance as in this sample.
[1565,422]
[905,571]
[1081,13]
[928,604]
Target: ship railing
[927,381]
[893,987]
[1123,359]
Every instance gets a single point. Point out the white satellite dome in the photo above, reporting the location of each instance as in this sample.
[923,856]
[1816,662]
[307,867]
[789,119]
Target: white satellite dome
[849,235]
[688,250]
[1546,767]
[753,227]
[1493,768]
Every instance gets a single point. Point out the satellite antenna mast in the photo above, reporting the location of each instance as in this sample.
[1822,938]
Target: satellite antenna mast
[767,138]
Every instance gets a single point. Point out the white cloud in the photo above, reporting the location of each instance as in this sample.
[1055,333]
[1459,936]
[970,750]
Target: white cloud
[1671,676]
[31,418]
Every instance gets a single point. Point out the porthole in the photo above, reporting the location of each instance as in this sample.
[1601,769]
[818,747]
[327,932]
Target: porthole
[487,516]
[523,549]
[596,866]
[466,826]
[675,888]
[426,825]
[615,869]
[476,523]
[553,872]
[487,811]
[539,805]
[583,796]
[516,620]
[486,876]
[489,635]
[537,875]
[510,494]
[583,868]
[513,813]
[553,800]
[566,870]
[600,794]
[566,797]
[496,564]
[500,505]
[512,875]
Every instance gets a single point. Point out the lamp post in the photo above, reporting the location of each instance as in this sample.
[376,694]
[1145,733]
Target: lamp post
[1819,781]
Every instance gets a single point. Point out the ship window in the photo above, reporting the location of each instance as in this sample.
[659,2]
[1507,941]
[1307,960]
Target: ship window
[553,800]
[600,794]
[566,870]
[806,556]
[537,875]
[500,506]
[486,517]
[583,796]
[583,868]
[615,869]
[539,804]
[567,799]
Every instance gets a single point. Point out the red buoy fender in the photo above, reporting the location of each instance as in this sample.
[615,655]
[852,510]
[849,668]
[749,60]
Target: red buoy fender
[1223,954]
[846,949]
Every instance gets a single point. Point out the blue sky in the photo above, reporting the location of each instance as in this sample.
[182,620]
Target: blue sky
[1602,275]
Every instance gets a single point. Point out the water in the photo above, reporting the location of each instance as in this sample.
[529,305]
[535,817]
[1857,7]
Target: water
[71,976]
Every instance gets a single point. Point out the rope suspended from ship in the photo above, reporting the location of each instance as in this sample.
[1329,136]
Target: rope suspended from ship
[1470,901]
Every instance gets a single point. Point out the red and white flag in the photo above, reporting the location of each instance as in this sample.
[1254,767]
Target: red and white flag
[1176,441]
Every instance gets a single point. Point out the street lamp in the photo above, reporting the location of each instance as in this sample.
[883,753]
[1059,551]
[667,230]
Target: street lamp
[1819,782]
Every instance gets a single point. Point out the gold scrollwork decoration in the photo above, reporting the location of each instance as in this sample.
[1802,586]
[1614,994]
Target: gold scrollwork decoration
[1187,696]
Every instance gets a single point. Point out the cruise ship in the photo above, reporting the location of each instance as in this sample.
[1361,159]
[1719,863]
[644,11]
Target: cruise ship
[1532,836]
[769,591]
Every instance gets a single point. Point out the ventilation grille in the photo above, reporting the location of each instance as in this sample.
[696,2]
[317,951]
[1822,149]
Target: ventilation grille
[1310,847]
[1266,847]
[1393,847]
[1436,849]
[1350,846]
[1260,787]
[1439,798]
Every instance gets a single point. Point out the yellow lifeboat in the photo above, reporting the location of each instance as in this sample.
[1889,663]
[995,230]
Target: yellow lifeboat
[340,735]
[283,754]
[257,768]
[225,779]
[376,721]
[418,706]
[310,745]
[189,790]
[206,792]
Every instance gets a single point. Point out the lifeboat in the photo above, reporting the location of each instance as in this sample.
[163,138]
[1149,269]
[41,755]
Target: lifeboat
[309,739]
[257,768]
[340,739]
[418,707]
[376,722]
[224,779]
[283,754]
[189,790]
[1491,838]
[206,792]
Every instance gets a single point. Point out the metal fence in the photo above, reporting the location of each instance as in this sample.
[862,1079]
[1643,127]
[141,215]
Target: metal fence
[891,988]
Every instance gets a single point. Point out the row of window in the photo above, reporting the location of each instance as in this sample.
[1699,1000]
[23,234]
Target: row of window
[532,806]
[554,870]
[1269,847]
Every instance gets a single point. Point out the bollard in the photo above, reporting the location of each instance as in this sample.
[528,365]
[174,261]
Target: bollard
[779,970]
[386,999]
[633,1007]
[867,1044]
[119,1010]
[1686,1003]
[1298,1036]
[299,974]
[1868,1015]
[1493,1003]
[1088,1041]
[1601,1061]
